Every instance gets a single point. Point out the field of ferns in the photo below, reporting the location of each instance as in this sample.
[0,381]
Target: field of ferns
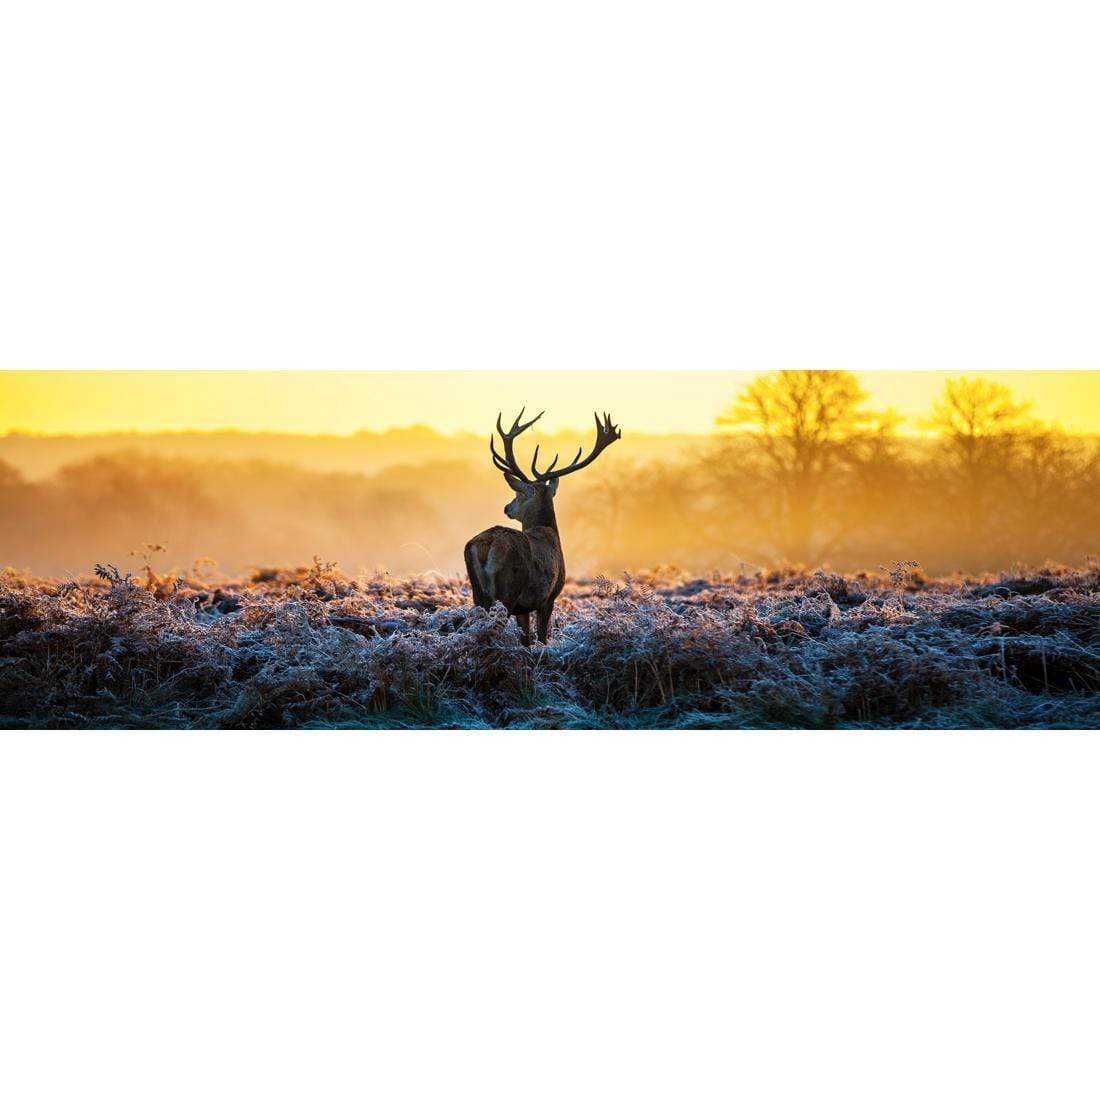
[311,648]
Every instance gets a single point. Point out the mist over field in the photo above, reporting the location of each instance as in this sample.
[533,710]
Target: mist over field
[405,500]
[811,476]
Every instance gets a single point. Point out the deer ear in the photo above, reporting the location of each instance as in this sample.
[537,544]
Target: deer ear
[514,482]
[552,485]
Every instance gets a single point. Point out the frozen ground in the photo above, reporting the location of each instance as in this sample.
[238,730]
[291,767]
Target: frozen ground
[311,648]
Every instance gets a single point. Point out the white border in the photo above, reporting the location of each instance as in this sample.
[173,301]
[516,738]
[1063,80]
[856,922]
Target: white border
[704,915]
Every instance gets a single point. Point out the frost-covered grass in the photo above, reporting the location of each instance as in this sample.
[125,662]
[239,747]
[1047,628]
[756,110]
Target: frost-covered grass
[311,648]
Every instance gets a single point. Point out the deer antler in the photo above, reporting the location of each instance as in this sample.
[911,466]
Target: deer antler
[606,434]
[508,464]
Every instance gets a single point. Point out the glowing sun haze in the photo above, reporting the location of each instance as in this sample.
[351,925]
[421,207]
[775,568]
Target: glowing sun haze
[340,402]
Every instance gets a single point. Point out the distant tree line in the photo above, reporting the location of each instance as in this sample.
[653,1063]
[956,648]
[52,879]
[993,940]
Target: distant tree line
[811,475]
[239,513]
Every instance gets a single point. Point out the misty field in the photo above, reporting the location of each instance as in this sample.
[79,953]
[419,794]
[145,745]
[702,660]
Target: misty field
[312,648]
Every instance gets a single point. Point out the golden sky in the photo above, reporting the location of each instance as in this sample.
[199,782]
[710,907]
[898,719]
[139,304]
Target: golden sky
[339,402]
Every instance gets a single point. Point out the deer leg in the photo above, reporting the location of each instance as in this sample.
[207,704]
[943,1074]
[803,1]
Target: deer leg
[480,599]
[524,621]
[478,593]
[543,619]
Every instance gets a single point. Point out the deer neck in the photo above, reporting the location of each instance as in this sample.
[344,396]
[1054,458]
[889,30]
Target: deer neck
[541,516]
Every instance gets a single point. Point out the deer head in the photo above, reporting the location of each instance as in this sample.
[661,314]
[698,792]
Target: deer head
[532,505]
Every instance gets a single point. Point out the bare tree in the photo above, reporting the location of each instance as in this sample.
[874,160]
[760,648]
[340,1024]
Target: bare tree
[979,429]
[1052,495]
[805,430]
[978,423]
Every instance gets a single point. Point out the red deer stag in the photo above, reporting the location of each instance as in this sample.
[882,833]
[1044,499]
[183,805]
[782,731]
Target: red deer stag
[525,570]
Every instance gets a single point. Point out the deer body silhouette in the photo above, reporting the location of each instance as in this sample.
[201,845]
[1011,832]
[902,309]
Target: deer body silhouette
[525,569]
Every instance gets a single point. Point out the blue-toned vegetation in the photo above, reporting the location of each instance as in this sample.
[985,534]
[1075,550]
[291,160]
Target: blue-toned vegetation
[311,648]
